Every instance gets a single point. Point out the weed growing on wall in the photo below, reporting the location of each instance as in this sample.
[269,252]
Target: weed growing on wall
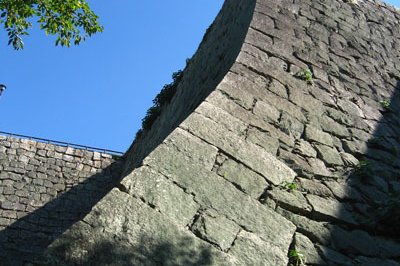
[305,74]
[385,104]
[363,167]
[162,99]
[296,258]
[289,186]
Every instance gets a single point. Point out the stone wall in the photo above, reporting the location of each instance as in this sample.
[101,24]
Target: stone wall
[292,158]
[215,55]
[44,189]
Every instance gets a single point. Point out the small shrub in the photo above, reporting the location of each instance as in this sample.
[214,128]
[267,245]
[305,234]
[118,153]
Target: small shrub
[305,74]
[162,99]
[363,167]
[116,157]
[385,104]
[296,258]
[289,186]
[364,164]
[150,117]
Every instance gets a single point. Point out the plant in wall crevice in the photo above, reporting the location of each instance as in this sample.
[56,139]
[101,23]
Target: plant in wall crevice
[305,74]
[296,258]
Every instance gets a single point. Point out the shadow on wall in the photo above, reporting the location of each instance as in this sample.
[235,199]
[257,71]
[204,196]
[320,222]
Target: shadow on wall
[368,230]
[31,234]
[112,252]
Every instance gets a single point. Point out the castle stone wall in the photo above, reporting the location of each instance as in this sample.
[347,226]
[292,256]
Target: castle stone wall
[291,158]
[44,189]
[215,55]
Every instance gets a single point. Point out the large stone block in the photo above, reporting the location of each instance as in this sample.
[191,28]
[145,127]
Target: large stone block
[249,154]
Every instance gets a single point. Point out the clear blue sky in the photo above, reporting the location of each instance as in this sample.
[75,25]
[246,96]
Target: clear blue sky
[97,93]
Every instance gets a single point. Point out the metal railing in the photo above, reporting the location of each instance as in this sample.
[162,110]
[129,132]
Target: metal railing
[64,144]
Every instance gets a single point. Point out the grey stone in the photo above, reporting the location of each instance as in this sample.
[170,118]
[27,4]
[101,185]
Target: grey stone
[222,117]
[250,182]
[251,250]
[293,200]
[318,168]
[304,245]
[314,187]
[355,147]
[68,158]
[330,209]
[371,112]
[291,125]
[96,156]
[233,85]
[213,191]
[263,139]
[343,191]
[354,242]
[242,80]
[133,230]
[278,88]
[296,162]
[333,256]
[200,152]
[349,160]
[216,229]
[331,126]
[305,101]
[316,231]
[319,136]
[251,155]
[304,148]
[329,155]
[158,191]
[350,108]
[266,111]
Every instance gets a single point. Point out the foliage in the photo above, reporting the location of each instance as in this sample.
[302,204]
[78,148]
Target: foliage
[71,20]
[363,164]
[162,99]
[363,167]
[289,186]
[168,91]
[150,117]
[116,157]
[305,74]
[296,258]
[385,104]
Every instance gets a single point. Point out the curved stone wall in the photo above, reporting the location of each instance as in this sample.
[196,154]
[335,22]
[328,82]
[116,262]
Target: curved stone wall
[44,189]
[291,159]
[215,55]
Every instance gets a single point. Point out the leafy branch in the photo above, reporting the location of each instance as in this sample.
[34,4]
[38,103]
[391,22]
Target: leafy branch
[72,21]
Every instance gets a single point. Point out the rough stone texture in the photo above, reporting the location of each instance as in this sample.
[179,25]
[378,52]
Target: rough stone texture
[45,189]
[249,160]
[307,249]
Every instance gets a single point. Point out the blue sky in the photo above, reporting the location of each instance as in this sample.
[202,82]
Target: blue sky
[97,93]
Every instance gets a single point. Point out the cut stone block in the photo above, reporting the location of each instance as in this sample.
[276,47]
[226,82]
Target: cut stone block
[156,190]
[330,208]
[304,245]
[251,250]
[216,229]
[251,155]
[250,182]
[314,134]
